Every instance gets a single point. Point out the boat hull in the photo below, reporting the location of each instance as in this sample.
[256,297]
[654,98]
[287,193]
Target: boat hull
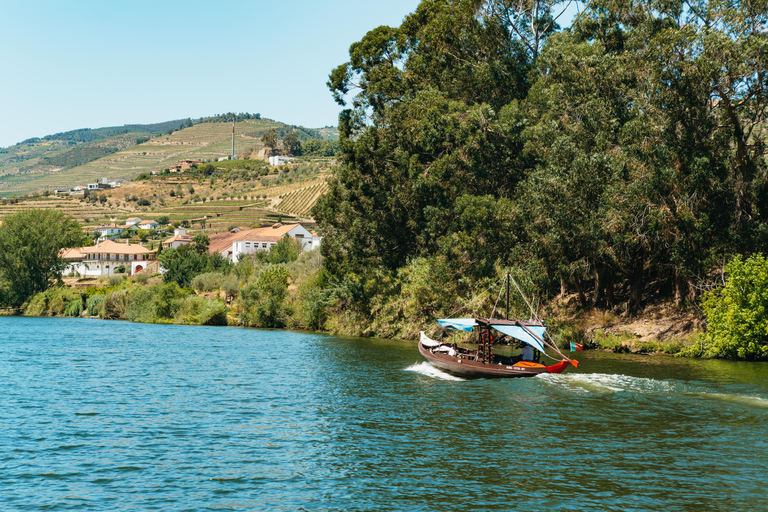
[464,367]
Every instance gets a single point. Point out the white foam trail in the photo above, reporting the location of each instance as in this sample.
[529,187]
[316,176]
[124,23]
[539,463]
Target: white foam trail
[428,370]
[607,383]
[751,401]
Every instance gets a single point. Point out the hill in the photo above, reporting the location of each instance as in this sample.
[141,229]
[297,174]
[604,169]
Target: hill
[78,157]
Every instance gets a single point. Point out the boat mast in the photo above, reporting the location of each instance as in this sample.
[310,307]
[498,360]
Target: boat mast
[507,317]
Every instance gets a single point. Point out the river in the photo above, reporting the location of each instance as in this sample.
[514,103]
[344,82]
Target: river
[100,415]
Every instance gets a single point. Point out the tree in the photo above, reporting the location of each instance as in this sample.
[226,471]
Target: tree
[737,313]
[200,243]
[291,143]
[270,139]
[264,302]
[30,246]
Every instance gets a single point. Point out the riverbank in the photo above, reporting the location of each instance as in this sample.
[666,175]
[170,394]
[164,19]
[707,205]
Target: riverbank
[659,329]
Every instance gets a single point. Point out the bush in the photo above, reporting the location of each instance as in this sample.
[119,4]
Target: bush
[207,282]
[737,314]
[141,278]
[194,310]
[93,304]
[264,302]
[51,302]
[115,280]
[158,303]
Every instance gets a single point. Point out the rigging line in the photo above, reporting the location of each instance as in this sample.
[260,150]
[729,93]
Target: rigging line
[524,298]
[458,309]
[497,301]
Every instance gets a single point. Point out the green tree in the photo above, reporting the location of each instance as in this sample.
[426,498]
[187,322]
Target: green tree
[291,143]
[30,246]
[200,243]
[737,313]
[269,138]
[264,302]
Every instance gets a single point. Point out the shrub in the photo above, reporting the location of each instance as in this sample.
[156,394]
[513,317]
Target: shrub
[74,307]
[264,302]
[114,305]
[51,302]
[141,278]
[207,282]
[115,280]
[93,304]
[737,313]
[194,310]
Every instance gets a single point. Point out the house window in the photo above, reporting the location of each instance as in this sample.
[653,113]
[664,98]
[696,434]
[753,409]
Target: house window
[263,246]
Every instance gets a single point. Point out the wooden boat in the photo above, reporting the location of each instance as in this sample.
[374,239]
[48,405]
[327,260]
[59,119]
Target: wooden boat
[483,361]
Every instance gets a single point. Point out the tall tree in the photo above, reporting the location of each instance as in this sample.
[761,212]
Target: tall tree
[30,246]
[291,143]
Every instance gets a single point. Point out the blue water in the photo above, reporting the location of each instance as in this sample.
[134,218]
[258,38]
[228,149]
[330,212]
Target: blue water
[98,415]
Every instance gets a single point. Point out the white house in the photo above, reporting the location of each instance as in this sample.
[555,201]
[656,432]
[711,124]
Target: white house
[103,258]
[262,239]
[132,221]
[279,160]
[179,238]
[109,230]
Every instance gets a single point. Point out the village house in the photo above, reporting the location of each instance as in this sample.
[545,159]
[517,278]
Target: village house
[103,258]
[110,230]
[179,238]
[238,242]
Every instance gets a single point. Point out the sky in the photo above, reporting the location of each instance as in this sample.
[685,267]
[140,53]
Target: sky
[94,63]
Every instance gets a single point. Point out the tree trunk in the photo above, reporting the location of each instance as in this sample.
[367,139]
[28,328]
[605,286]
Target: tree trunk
[681,288]
[582,297]
[636,285]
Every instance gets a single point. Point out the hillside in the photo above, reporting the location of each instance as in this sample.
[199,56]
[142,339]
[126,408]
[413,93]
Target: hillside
[78,157]
[219,202]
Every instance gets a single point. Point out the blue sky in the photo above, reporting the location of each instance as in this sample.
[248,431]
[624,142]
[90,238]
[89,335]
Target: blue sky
[88,64]
[94,63]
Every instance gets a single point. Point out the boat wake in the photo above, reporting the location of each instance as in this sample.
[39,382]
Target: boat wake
[746,400]
[608,383]
[428,370]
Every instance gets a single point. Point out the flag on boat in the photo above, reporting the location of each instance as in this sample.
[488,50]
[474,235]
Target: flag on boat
[577,347]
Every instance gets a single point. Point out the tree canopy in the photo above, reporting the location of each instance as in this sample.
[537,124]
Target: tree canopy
[623,155]
[30,246]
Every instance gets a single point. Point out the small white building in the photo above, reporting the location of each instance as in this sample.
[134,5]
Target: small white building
[103,258]
[262,239]
[179,238]
[109,230]
[280,160]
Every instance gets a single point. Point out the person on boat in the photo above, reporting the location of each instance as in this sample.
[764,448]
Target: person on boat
[526,353]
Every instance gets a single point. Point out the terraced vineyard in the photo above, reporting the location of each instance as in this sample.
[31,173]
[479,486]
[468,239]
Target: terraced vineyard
[299,202]
[203,141]
[243,204]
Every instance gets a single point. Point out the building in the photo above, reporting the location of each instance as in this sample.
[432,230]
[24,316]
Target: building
[103,258]
[238,242]
[179,238]
[110,230]
[279,160]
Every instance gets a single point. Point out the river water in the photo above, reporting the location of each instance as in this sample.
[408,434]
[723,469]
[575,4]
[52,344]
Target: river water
[99,415]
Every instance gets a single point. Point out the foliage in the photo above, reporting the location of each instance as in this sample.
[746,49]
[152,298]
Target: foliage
[737,313]
[194,310]
[264,302]
[30,242]
[184,263]
[207,282]
[622,156]
[157,303]
[93,304]
[52,302]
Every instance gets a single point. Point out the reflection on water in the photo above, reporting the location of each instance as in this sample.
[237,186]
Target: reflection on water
[112,415]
